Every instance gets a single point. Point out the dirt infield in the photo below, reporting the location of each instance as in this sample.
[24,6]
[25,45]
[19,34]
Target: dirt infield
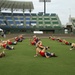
[42,35]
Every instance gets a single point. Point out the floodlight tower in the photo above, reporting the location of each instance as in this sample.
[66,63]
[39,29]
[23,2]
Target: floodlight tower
[44,4]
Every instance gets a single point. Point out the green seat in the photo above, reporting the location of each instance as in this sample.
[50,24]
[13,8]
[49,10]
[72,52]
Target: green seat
[40,22]
[54,18]
[53,14]
[47,18]
[48,22]
[40,18]
[34,18]
[56,22]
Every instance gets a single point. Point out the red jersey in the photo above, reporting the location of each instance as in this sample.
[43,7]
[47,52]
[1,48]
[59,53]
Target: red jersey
[66,43]
[33,42]
[16,38]
[35,39]
[4,45]
[9,42]
[42,53]
[60,40]
[53,38]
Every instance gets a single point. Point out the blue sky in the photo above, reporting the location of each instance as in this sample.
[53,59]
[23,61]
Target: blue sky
[63,8]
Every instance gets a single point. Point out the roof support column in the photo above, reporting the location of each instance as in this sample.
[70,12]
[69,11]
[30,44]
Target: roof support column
[11,10]
[23,11]
[0,10]
[30,17]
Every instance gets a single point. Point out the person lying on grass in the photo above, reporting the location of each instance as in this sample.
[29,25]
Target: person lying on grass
[11,43]
[66,42]
[52,38]
[72,46]
[18,39]
[2,54]
[6,46]
[42,50]
[59,39]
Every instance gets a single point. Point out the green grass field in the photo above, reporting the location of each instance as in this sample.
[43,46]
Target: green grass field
[21,61]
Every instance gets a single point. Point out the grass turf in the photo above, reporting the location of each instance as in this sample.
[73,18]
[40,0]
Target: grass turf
[21,61]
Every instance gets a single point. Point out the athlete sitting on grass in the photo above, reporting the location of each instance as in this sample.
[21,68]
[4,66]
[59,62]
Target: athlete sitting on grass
[42,51]
[39,45]
[34,40]
[21,36]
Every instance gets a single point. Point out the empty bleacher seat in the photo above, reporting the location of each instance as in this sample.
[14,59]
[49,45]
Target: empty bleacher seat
[17,14]
[40,22]
[17,22]
[15,18]
[33,14]
[40,18]
[54,18]
[1,18]
[27,14]
[39,14]
[46,14]
[1,22]
[27,26]
[53,14]
[55,22]
[11,22]
[27,22]
[48,22]
[46,18]
[8,18]
[34,18]
[21,18]
[27,18]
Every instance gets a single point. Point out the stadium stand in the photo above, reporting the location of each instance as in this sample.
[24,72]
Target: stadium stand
[28,22]
[70,25]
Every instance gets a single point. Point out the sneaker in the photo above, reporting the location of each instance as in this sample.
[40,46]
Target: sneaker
[12,47]
[70,49]
[3,52]
[35,55]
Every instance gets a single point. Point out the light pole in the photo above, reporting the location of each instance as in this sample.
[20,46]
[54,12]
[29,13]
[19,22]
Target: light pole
[44,4]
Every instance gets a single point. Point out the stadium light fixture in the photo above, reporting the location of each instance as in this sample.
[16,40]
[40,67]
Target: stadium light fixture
[44,4]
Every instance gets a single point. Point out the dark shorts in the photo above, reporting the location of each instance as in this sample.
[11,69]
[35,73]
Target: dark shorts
[9,48]
[48,53]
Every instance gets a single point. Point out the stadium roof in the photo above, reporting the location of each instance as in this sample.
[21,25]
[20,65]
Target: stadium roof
[16,4]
